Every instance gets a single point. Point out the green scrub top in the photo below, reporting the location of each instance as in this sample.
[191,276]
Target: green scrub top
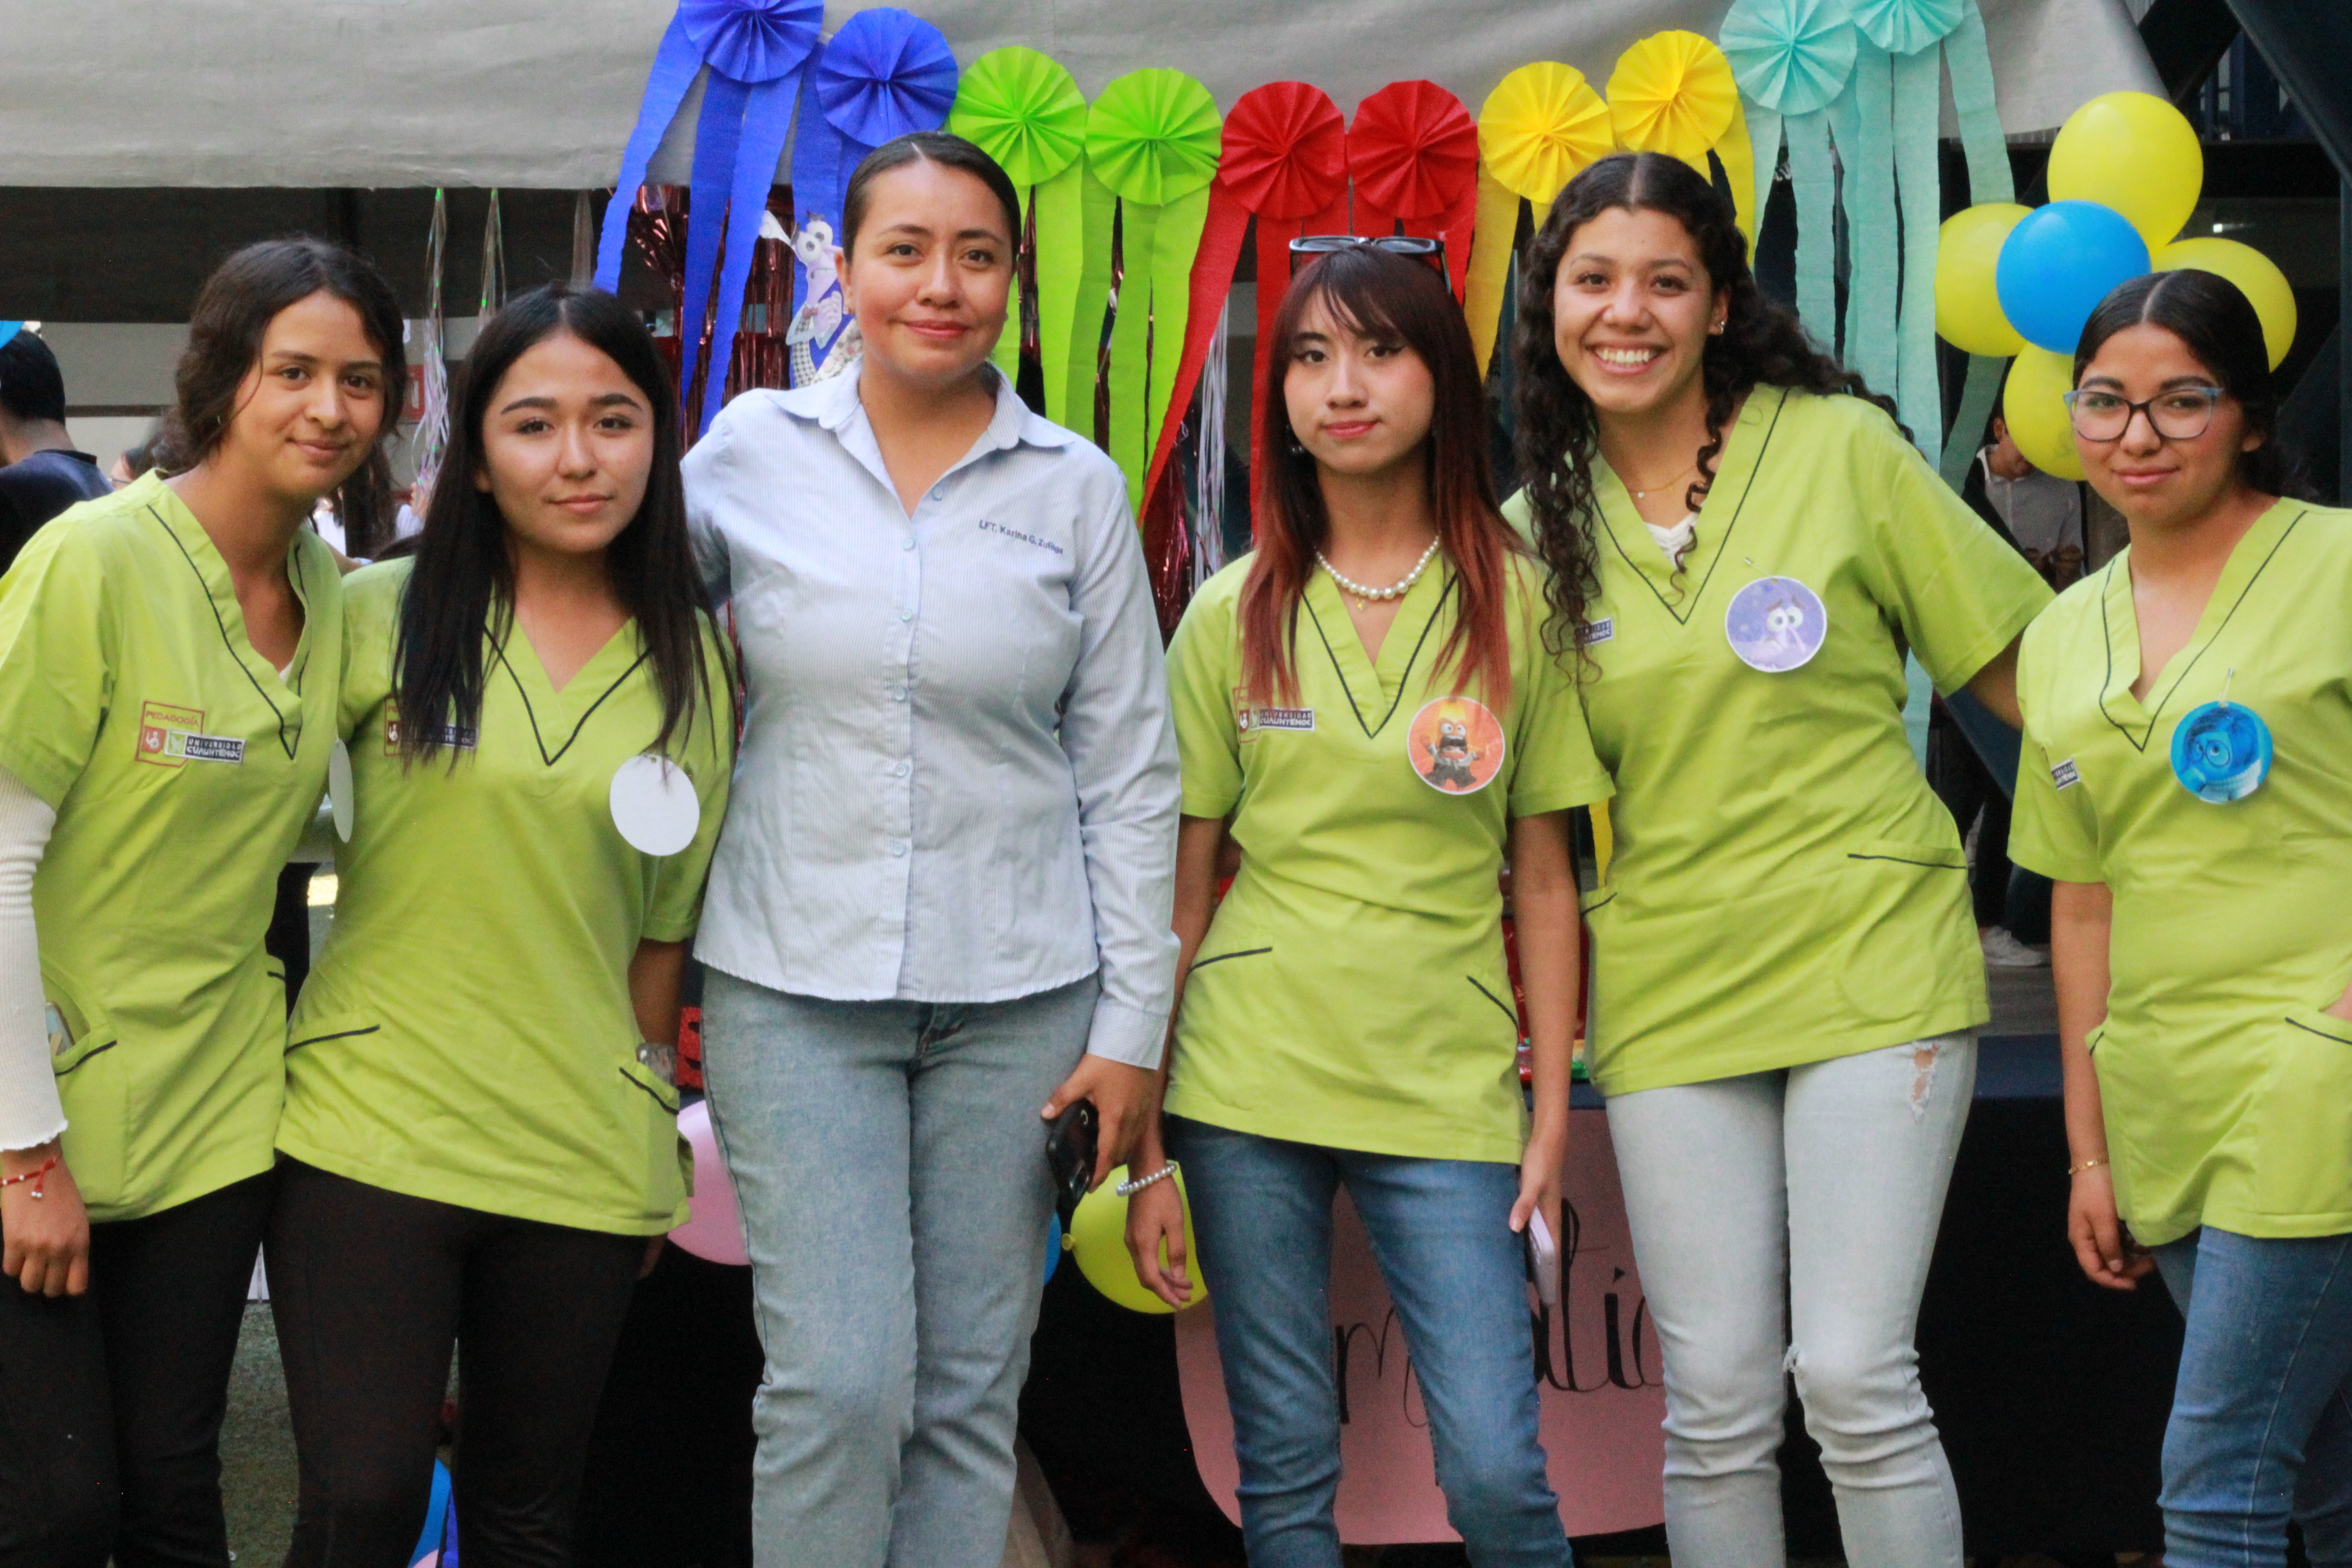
[2228,1093]
[183,769]
[1785,887]
[1352,990]
[466,1036]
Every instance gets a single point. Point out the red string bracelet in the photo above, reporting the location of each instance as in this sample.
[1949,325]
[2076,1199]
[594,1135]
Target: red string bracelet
[33,1176]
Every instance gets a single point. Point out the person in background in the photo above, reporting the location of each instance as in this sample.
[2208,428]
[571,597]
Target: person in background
[1367,711]
[169,662]
[940,903]
[134,461]
[40,473]
[2040,514]
[2187,781]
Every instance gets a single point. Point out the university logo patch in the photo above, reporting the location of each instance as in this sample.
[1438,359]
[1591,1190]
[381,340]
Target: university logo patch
[2064,775]
[171,736]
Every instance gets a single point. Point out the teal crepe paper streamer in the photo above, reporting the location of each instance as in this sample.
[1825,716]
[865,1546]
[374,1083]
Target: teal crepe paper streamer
[1764,138]
[1985,373]
[1918,104]
[676,65]
[1971,64]
[1861,118]
[1815,179]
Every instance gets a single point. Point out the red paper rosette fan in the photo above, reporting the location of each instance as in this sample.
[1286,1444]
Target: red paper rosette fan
[1285,161]
[1414,151]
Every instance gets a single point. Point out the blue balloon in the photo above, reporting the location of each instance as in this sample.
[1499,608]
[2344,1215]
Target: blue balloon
[1053,1245]
[2058,263]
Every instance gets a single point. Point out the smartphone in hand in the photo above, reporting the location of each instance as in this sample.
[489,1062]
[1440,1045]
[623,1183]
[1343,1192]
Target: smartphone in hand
[1070,1155]
[1543,1258]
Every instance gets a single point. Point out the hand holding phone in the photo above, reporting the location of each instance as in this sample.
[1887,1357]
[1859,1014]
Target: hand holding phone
[1543,1258]
[1070,1154]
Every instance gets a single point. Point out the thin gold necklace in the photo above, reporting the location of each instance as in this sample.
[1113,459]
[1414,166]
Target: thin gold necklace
[1692,466]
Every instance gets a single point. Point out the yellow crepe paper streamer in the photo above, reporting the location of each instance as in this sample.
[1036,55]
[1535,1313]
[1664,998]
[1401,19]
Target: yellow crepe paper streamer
[1541,127]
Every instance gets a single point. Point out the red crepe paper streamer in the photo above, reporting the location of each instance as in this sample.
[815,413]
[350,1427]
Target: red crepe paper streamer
[1285,162]
[1414,151]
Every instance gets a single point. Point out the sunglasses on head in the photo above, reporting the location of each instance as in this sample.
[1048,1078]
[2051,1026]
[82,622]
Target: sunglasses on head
[1314,245]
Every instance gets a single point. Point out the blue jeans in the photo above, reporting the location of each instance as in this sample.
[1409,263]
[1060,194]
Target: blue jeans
[890,1165]
[1441,1231]
[2262,1417]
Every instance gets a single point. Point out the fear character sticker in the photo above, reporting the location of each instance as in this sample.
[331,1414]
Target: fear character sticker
[1456,744]
[1775,625]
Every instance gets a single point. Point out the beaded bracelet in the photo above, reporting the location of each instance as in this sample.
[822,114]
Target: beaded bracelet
[1128,1189]
[33,1176]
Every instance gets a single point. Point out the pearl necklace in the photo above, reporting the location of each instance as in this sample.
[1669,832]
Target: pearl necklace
[1396,590]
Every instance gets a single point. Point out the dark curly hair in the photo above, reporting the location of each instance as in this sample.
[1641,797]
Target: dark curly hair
[1761,344]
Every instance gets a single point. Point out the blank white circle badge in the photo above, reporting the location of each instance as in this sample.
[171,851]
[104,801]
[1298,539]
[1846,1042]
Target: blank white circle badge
[339,789]
[654,804]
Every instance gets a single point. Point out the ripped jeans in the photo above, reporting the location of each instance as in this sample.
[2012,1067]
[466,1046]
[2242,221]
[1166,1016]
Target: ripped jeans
[1820,1186]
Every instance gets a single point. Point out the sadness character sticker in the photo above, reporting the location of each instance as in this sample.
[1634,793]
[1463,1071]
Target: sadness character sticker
[1456,744]
[1775,624]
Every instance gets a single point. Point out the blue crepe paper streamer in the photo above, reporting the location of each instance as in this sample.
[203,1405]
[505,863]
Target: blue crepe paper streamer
[766,122]
[817,179]
[1815,179]
[715,137]
[1919,105]
[676,65]
[1861,118]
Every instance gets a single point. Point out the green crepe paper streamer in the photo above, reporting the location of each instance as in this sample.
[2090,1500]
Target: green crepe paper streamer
[1131,347]
[1862,118]
[1173,249]
[1919,105]
[1815,179]
[1985,373]
[1971,64]
[1096,211]
[1060,207]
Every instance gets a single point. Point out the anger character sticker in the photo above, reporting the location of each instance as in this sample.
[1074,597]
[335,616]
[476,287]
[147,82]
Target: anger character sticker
[1456,744]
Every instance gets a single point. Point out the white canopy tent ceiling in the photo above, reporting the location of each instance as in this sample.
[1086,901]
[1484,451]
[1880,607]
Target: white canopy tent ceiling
[524,93]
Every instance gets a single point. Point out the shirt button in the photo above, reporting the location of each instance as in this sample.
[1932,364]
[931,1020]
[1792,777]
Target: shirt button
[906,614]
[898,694]
[939,492]
[900,771]
[908,545]
[897,849]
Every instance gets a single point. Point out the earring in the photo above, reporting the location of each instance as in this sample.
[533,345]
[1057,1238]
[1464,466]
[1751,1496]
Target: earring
[1296,450]
[1716,330]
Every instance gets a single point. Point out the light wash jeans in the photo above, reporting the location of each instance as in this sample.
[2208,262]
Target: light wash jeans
[1441,1230]
[890,1164]
[1820,1187]
[2261,1415]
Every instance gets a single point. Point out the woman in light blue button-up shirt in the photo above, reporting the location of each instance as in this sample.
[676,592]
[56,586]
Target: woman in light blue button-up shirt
[941,899]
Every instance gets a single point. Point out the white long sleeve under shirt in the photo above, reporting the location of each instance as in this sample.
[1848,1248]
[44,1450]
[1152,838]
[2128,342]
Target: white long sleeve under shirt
[30,1111]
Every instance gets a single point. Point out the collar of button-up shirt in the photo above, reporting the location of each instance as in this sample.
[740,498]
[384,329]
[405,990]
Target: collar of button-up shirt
[957,781]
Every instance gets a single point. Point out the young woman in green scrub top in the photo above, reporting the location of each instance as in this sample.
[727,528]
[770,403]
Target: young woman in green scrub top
[1744,544]
[1366,708]
[2189,787]
[480,1143]
[168,664]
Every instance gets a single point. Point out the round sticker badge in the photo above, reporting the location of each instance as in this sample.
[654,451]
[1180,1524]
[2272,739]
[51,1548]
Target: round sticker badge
[339,788]
[2222,751]
[1775,625]
[654,804]
[1455,745]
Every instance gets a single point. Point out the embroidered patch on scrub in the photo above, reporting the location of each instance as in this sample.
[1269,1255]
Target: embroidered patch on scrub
[2222,751]
[1249,721]
[1456,744]
[2065,776]
[1775,625]
[454,737]
[1595,633]
[171,736]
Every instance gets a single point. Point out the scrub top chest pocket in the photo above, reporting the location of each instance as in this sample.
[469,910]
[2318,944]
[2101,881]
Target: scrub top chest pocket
[467,1035]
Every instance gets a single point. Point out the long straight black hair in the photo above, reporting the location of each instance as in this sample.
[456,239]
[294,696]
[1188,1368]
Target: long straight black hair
[465,570]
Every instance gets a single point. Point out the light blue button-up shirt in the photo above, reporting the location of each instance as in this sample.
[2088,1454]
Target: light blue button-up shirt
[958,775]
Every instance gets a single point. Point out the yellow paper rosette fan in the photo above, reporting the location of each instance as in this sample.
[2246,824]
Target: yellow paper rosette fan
[1674,93]
[1541,126]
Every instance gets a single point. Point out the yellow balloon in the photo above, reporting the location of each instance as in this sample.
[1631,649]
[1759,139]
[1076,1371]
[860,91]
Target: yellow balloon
[2034,405]
[2135,153]
[2256,276]
[1098,1241]
[1968,306]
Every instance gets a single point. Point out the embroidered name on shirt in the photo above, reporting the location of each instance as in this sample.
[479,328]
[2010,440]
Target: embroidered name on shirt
[454,738]
[1300,720]
[987,527]
[2064,775]
[1600,631]
[171,736]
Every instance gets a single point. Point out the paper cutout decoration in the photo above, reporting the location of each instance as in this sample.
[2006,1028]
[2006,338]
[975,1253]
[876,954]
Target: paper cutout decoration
[1414,153]
[1285,162]
[1674,93]
[1152,141]
[1024,110]
[1541,127]
[886,73]
[1794,59]
[755,50]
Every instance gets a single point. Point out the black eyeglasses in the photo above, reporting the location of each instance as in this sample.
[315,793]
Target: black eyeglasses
[2180,414]
[1313,244]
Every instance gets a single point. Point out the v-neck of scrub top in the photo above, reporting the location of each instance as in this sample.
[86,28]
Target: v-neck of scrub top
[1679,593]
[557,717]
[2248,559]
[281,690]
[1376,687]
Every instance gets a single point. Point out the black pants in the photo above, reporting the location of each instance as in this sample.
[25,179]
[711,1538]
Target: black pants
[372,1290]
[1969,790]
[110,1403]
